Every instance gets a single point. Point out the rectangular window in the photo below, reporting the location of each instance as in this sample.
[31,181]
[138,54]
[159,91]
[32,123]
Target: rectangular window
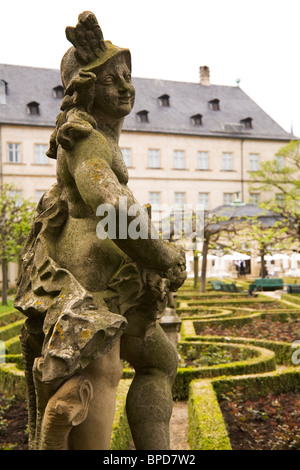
[227,161]
[179,200]
[38,194]
[17,195]
[178,159]
[127,156]
[154,158]
[253,161]
[279,198]
[40,156]
[14,153]
[202,160]
[254,198]
[203,200]
[280,161]
[154,199]
[227,198]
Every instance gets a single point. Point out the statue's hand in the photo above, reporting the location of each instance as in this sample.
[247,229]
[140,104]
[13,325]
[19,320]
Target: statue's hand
[177,273]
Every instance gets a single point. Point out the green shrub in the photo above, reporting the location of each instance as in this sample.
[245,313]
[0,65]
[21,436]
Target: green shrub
[121,434]
[207,430]
[206,427]
[252,386]
[10,330]
[262,360]
[283,351]
[10,317]
[12,380]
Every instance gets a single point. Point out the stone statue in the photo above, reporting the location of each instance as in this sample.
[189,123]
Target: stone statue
[90,300]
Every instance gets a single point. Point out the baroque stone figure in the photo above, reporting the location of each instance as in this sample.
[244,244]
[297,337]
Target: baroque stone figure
[91,300]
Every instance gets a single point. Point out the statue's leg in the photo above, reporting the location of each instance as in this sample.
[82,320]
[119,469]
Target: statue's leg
[95,432]
[66,408]
[60,405]
[149,400]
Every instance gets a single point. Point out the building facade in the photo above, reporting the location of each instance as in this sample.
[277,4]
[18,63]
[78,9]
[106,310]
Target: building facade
[183,143]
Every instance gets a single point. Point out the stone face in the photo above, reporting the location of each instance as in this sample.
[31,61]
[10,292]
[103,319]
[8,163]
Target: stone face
[92,299]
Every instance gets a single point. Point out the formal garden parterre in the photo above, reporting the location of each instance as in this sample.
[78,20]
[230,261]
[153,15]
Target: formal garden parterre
[238,370]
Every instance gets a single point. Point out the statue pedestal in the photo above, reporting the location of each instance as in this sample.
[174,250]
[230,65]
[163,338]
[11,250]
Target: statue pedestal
[171,324]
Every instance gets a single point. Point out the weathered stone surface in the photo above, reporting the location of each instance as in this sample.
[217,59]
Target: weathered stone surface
[91,300]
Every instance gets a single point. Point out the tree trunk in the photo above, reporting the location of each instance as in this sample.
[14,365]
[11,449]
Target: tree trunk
[4,282]
[204,265]
[196,269]
[262,263]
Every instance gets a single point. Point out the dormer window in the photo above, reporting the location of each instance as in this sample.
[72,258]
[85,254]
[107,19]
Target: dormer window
[58,92]
[3,91]
[143,116]
[33,108]
[214,104]
[164,100]
[247,122]
[197,119]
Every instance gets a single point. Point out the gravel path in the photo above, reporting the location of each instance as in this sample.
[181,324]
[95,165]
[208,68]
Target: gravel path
[179,426]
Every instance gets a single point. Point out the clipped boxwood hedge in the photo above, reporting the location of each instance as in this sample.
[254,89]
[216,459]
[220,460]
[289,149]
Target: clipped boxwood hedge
[283,351]
[263,361]
[294,298]
[12,379]
[252,386]
[121,434]
[13,345]
[207,429]
[10,317]
[10,330]
[266,354]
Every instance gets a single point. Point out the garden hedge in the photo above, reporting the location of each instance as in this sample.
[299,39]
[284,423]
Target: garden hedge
[207,429]
[262,360]
[12,380]
[10,317]
[121,434]
[214,379]
[294,298]
[10,330]
[283,351]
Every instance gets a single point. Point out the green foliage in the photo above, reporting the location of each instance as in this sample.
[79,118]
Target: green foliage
[222,362]
[281,176]
[16,216]
[121,434]
[258,360]
[207,430]
[5,403]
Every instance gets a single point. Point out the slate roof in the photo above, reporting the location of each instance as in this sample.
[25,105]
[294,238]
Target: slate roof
[242,213]
[27,84]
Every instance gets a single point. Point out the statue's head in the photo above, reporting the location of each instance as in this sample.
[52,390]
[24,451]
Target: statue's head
[89,55]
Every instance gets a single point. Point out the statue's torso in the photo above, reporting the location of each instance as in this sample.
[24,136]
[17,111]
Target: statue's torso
[91,260]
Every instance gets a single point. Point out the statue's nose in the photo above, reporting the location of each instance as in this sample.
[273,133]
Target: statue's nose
[124,86]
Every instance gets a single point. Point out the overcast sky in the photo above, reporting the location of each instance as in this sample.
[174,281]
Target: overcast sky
[255,41]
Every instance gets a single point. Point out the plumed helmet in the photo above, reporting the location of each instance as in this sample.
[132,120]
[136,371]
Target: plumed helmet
[89,51]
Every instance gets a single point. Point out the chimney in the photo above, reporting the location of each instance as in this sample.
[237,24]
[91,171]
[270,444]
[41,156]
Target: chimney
[204,75]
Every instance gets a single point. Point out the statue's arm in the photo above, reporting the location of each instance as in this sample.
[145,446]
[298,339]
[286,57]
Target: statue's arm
[89,164]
